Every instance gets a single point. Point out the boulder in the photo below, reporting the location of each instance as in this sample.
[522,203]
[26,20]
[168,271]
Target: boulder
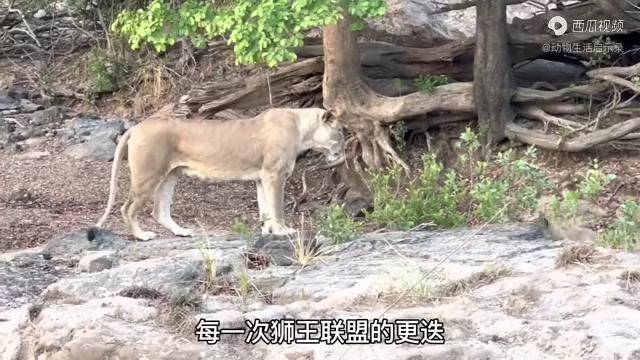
[97,139]
[97,149]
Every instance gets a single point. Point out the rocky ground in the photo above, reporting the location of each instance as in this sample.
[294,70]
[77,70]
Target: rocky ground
[500,292]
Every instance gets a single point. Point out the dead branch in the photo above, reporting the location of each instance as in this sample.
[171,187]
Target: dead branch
[564,108]
[616,70]
[619,81]
[537,113]
[287,83]
[28,30]
[532,95]
[555,142]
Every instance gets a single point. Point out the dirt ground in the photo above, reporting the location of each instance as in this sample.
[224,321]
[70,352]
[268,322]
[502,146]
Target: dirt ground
[41,198]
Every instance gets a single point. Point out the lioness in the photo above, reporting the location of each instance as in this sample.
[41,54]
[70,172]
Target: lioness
[261,149]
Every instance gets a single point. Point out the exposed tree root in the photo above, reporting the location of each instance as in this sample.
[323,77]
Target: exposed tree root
[583,142]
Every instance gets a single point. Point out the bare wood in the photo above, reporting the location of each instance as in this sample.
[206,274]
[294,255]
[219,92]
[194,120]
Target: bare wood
[563,108]
[289,82]
[616,70]
[619,81]
[532,95]
[537,113]
[555,142]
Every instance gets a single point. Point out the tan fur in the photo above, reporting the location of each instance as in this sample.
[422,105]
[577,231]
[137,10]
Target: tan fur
[261,149]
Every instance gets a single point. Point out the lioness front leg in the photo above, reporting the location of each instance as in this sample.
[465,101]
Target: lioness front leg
[262,202]
[162,207]
[273,191]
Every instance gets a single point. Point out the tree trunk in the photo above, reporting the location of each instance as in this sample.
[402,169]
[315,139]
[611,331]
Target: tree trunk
[493,79]
[364,111]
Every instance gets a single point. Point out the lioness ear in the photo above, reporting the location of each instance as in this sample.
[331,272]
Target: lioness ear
[329,116]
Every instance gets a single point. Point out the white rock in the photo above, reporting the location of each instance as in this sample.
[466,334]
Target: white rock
[40,14]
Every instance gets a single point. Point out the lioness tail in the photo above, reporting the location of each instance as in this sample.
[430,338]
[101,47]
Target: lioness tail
[117,158]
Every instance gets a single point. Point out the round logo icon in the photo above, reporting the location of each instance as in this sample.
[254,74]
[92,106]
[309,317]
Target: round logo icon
[558,25]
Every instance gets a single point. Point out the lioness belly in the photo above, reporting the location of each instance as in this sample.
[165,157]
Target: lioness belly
[219,175]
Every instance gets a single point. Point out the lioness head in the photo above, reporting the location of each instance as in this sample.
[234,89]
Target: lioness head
[328,137]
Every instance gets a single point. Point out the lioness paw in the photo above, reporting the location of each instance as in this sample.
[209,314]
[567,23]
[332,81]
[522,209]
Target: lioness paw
[146,235]
[277,229]
[184,232]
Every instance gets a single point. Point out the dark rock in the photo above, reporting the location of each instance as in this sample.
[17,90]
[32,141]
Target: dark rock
[24,277]
[98,139]
[86,128]
[5,131]
[74,244]
[554,72]
[52,114]
[280,250]
[99,149]
[27,106]
[357,207]
[8,104]
[27,132]
[18,92]
[96,261]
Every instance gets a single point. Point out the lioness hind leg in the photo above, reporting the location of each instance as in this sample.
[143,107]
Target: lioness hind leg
[273,190]
[138,196]
[137,204]
[163,199]
[125,210]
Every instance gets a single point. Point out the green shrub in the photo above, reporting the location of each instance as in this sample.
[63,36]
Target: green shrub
[498,191]
[594,182]
[589,189]
[428,83]
[434,197]
[625,233]
[337,226]
[107,72]
[397,131]
[240,227]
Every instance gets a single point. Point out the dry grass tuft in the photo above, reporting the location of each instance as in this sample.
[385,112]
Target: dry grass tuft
[179,312]
[578,254]
[140,292]
[522,301]
[305,249]
[629,280]
[476,280]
